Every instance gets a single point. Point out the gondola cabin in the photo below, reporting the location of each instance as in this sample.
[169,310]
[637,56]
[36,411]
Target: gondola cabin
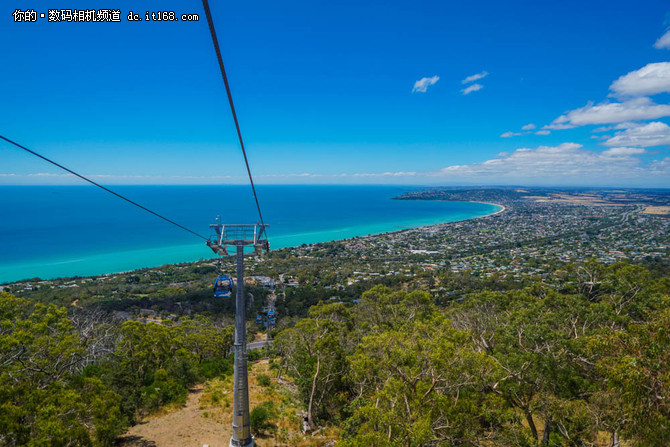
[259,319]
[223,286]
[271,314]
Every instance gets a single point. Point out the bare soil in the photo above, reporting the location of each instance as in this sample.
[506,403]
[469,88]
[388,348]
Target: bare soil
[186,426]
[206,417]
[658,210]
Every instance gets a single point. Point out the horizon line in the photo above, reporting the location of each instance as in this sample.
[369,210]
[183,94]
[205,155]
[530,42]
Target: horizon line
[460,185]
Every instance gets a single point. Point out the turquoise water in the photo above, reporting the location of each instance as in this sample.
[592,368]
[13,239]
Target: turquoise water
[56,231]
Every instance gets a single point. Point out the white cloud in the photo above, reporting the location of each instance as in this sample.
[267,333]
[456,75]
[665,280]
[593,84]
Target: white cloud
[472,88]
[50,174]
[648,80]
[611,112]
[663,41]
[342,175]
[655,133]
[633,88]
[422,84]
[383,174]
[50,178]
[556,125]
[620,126]
[527,129]
[475,77]
[567,163]
[510,134]
[624,151]
[660,166]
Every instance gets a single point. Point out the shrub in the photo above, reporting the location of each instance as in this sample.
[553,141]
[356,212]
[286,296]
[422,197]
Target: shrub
[261,416]
[263,380]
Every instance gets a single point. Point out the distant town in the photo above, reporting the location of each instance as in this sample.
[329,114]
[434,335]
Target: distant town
[538,235]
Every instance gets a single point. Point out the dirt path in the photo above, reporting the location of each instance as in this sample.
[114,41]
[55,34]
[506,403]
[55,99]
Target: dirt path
[206,418]
[185,427]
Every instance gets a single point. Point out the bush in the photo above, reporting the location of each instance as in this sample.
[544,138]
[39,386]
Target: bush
[254,355]
[263,380]
[260,417]
[160,393]
[216,367]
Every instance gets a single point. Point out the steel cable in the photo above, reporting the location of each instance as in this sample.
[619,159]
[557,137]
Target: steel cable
[205,4]
[102,187]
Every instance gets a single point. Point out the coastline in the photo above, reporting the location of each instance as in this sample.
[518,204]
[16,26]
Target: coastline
[502,209]
[181,253]
[142,259]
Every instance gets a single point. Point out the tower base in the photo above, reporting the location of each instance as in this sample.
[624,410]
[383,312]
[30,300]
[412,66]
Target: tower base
[249,444]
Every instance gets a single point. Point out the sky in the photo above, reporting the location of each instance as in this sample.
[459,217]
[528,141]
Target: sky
[531,93]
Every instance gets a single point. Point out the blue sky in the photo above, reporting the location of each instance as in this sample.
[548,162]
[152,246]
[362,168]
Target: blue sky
[432,92]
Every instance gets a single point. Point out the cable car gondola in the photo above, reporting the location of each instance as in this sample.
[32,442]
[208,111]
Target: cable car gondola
[223,286]
[259,319]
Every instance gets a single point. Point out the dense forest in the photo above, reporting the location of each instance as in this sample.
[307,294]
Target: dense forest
[584,363]
[81,379]
[535,366]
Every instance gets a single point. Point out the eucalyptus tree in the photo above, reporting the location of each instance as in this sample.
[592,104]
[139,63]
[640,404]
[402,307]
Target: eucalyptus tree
[315,355]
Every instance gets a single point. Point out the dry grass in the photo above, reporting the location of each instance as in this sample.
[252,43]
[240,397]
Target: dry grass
[206,417]
[577,199]
[657,210]
[260,336]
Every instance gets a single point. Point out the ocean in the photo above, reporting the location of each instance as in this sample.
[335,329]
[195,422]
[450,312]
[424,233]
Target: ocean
[57,231]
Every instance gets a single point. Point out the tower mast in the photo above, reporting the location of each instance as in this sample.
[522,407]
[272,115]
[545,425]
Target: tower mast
[240,236]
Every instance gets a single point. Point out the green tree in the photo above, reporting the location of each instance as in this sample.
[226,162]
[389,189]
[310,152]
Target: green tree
[44,399]
[636,367]
[314,352]
[424,384]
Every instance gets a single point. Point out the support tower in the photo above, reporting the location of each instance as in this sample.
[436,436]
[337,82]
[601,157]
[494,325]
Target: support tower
[240,236]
